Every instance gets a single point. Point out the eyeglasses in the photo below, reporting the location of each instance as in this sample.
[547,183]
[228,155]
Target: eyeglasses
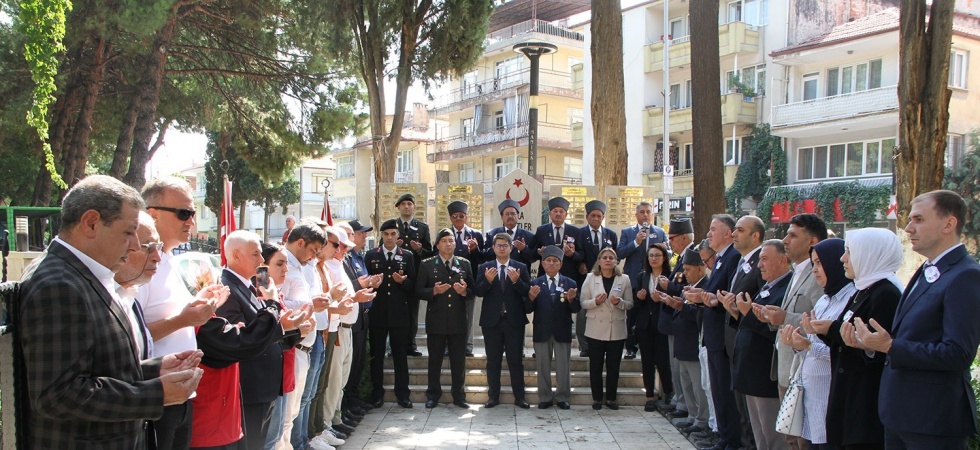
[182,214]
[151,247]
[501,245]
[334,244]
[458,216]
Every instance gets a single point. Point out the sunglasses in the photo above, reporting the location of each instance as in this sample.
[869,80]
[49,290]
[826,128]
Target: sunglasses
[182,214]
[151,247]
[334,244]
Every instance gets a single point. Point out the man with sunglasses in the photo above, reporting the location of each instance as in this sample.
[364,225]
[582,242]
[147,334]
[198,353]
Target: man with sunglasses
[171,312]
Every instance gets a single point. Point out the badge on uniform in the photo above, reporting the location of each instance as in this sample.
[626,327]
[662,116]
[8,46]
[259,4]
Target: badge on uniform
[746,267]
[397,257]
[764,294]
[413,228]
[718,264]
[455,269]
[848,315]
[932,274]
[570,239]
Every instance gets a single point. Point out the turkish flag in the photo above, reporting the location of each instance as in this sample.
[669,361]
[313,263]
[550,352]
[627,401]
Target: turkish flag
[325,212]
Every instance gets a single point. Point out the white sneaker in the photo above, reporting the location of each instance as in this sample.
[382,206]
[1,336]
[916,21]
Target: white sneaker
[328,438]
[319,444]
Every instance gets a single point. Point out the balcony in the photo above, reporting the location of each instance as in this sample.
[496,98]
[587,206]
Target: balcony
[550,82]
[854,105]
[577,135]
[404,177]
[734,37]
[735,110]
[536,30]
[578,77]
[550,135]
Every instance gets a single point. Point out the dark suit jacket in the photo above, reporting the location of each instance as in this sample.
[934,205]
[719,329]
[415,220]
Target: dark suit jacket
[390,308]
[607,239]
[415,230]
[686,327]
[750,283]
[713,325]
[677,280]
[852,411]
[354,267]
[754,345]
[936,332]
[545,235]
[632,254]
[463,251]
[261,375]
[445,313]
[507,293]
[86,385]
[524,257]
[647,311]
[552,313]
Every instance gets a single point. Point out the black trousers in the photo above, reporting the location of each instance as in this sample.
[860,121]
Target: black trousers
[413,313]
[630,330]
[257,416]
[655,356]
[898,440]
[352,391]
[173,429]
[500,338]
[398,337]
[437,344]
[726,411]
[609,353]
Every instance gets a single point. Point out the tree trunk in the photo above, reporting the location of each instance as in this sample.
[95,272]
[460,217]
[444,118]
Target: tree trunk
[149,100]
[709,191]
[608,94]
[77,152]
[923,96]
[120,157]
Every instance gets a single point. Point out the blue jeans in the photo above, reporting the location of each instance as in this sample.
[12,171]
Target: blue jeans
[301,424]
[275,423]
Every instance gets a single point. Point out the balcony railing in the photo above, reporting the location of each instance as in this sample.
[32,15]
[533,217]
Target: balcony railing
[735,109]
[549,82]
[825,109]
[532,26]
[549,135]
[734,37]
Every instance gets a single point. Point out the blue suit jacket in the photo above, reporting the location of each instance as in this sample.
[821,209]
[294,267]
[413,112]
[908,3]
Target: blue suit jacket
[714,323]
[552,314]
[496,293]
[544,236]
[476,257]
[633,254]
[936,332]
[524,257]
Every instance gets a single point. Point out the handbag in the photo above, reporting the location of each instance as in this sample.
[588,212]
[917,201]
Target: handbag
[789,420]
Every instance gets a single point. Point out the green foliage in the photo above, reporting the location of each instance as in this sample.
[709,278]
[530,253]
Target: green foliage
[43,23]
[963,180]
[247,184]
[764,154]
[859,204]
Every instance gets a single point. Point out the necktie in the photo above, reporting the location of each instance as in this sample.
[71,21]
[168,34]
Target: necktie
[389,256]
[557,235]
[551,286]
[147,347]
[595,238]
[503,305]
[510,232]
[459,237]
[503,274]
[738,273]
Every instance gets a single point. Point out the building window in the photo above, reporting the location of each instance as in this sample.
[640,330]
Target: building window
[810,85]
[675,96]
[573,168]
[343,207]
[677,28]
[735,11]
[504,166]
[345,166]
[467,172]
[733,152]
[851,159]
[955,149]
[508,71]
[685,163]
[467,126]
[687,94]
[404,161]
[498,120]
[958,61]
[854,78]
[317,180]
[753,77]
[574,115]
[470,83]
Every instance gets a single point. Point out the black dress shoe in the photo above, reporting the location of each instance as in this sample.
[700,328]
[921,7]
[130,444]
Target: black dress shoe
[365,406]
[343,428]
[596,405]
[691,429]
[583,354]
[348,422]
[613,406]
[357,411]
[378,403]
[676,414]
[545,405]
[521,403]
[564,405]
[650,406]
[351,416]
[491,403]
[630,355]
[405,403]
[470,354]
[338,434]
[461,404]
[414,353]
[431,403]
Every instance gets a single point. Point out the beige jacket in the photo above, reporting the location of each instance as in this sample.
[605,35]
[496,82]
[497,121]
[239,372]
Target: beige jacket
[606,322]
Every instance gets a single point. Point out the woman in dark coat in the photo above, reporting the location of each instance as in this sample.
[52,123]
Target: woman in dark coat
[871,258]
[654,351]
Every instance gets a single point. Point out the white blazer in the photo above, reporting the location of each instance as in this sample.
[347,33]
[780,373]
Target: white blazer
[606,322]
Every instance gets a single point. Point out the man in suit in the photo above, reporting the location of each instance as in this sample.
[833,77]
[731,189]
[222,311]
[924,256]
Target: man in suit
[356,271]
[413,237]
[86,384]
[754,343]
[446,284]
[510,212]
[562,235]
[934,337]
[504,284]
[633,244]
[261,375]
[805,231]
[596,238]
[390,318]
[469,245]
[555,299]
[680,236]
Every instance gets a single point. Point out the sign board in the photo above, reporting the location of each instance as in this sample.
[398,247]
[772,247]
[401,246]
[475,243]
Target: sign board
[577,196]
[390,193]
[526,191]
[668,180]
[472,194]
[621,204]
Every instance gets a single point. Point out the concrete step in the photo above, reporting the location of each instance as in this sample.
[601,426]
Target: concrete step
[578,363]
[422,342]
[478,395]
[478,377]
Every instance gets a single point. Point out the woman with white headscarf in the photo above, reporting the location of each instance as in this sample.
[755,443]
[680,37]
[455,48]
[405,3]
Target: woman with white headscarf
[871,258]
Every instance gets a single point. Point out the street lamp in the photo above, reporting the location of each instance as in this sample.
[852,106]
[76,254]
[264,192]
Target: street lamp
[533,50]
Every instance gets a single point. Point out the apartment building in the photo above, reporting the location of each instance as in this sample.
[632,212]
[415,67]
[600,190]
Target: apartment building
[485,113]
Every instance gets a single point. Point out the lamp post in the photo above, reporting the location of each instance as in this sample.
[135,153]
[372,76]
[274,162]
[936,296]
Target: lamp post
[533,50]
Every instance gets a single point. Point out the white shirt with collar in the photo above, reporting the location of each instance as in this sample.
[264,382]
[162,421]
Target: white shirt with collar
[163,297]
[936,260]
[128,298]
[798,273]
[338,275]
[297,291]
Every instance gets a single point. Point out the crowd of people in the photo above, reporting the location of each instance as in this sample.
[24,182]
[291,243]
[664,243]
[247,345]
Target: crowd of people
[120,355]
